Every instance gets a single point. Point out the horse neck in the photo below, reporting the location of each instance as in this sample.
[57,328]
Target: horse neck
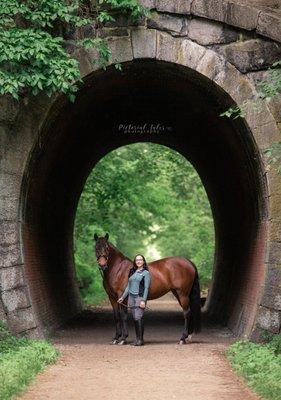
[115,258]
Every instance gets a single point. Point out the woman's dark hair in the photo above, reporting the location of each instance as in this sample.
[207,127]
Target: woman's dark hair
[144,262]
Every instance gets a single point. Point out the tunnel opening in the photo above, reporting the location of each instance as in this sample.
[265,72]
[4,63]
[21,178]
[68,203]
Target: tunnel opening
[150,199]
[116,108]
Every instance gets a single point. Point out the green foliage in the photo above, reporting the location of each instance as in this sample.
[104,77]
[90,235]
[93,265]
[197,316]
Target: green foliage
[271,85]
[273,155]
[20,360]
[150,200]
[33,38]
[268,88]
[260,365]
[90,282]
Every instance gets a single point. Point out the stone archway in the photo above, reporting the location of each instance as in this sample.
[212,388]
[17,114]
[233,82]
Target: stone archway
[50,147]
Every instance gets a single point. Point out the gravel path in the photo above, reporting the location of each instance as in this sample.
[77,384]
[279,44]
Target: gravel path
[91,368]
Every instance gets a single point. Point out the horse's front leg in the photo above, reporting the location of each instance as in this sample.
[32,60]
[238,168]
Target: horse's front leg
[124,323]
[117,320]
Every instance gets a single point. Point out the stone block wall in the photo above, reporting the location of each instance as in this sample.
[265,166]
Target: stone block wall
[227,42]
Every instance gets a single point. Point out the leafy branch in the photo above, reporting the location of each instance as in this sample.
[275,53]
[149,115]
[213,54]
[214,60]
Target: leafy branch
[33,38]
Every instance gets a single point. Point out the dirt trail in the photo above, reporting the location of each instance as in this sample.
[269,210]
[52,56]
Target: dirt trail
[91,368]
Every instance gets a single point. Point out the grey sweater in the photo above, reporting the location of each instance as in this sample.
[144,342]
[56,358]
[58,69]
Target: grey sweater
[134,282]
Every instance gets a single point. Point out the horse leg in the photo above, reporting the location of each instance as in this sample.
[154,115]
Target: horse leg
[124,323]
[117,319]
[183,300]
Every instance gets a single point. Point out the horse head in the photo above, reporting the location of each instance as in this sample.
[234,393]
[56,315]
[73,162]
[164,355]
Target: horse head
[102,250]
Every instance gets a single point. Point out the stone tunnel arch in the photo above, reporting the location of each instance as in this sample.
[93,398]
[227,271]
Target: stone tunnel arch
[189,86]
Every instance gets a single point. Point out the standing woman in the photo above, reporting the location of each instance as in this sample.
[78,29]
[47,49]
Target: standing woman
[137,288]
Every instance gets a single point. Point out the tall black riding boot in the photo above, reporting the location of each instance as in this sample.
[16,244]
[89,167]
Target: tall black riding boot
[137,333]
[140,332]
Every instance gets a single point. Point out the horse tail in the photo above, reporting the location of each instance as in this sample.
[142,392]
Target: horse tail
[195,306]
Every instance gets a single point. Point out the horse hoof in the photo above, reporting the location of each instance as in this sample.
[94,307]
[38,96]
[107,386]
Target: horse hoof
[122,342]
[114,341]
[182,341]
[189,338]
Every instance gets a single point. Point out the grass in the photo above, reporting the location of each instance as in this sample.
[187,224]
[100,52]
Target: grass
[21,359]
[260,365]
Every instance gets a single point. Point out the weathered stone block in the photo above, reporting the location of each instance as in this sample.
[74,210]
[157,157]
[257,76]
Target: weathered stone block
[266,135]
[9,184]
[175,6]
[148,3]
[258,114]
[168,23]
[9,108]
[269,25]
[273,253]
[210,64]
[274,187]
[33,333]
[250,55]
[9,206]
[234,83]
[213,9]
[10,252]
[207,32]
[273,275]
[190,54]
[3,316]
[275,231]
[275,107]
[242,15]
[121,49]
[270,320]
[179,50]
[167,47]
[9,232]
[144,43]
[11,278]
[21,320]
[15,299]
[272,297]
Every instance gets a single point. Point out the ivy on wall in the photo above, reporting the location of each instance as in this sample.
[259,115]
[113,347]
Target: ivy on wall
[33,38]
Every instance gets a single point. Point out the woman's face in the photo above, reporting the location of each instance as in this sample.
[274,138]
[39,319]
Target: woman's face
[139,261]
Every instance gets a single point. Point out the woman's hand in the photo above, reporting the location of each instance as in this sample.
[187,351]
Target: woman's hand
[142,304]
[120,300]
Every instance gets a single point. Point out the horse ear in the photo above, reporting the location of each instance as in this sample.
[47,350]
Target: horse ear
[106,236]
[96,237]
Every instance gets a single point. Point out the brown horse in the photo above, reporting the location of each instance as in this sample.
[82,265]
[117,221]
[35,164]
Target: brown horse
[175,274]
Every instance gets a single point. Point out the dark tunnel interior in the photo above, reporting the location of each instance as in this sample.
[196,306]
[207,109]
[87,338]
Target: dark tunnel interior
[76,136]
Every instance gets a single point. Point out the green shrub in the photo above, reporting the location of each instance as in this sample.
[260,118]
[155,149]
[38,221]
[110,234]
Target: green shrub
[20,361]
[260,365]
[90,283]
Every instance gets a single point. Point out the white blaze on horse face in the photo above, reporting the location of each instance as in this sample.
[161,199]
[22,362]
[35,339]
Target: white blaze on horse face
[102,261]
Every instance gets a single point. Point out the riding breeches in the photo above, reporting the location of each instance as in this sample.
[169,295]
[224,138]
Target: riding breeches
[134,305]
